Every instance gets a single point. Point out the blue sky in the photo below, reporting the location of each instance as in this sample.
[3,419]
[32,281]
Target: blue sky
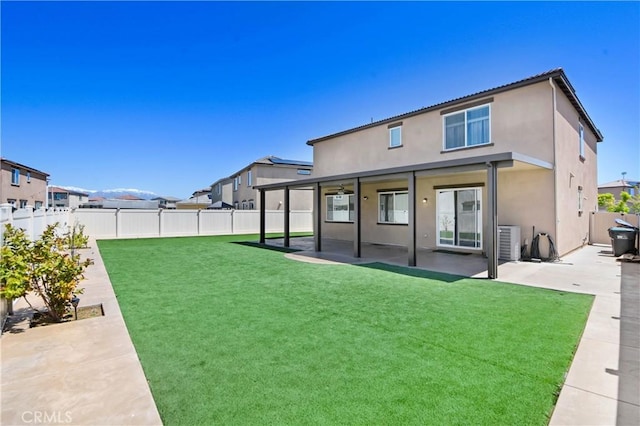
[170,96]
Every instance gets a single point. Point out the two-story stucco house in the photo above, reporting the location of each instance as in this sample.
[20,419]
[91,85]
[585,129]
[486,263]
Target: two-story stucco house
[238,189]
[448,175]
[22,185]
[66,198]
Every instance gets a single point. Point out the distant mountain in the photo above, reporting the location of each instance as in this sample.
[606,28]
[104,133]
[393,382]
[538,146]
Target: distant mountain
[114,193]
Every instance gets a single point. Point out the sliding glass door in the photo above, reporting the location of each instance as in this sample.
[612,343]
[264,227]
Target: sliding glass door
[460,217]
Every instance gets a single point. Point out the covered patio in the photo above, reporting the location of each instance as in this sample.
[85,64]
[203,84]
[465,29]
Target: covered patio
[340,251]
[485,167]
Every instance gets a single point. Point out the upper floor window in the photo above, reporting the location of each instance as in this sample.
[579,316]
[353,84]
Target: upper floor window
[28,177]
[340,208]
[15,176]
[236,182]
[393,207]
[467,128]
[395,136]
[581,141]
[219,187]
[249,178]
[304,171]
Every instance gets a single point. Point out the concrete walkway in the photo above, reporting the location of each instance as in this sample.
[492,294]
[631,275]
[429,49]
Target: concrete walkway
[82,372]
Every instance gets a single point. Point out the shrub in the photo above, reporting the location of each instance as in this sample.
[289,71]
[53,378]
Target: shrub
[42,267]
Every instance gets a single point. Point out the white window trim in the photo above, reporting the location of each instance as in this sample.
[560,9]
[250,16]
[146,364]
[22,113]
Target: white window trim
[14,181]
[480,224]
[391,129]
[466,142]
[395,193]
[327,208]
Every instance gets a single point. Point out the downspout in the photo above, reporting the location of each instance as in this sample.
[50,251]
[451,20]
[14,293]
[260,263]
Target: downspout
[555,165]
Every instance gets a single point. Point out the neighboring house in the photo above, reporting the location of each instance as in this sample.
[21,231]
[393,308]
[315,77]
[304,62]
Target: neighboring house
[22,185]
[66,198]
[129,197]
[238,189]
[222,191]
[618,186]
[200,199]
[166,202]
[447,176]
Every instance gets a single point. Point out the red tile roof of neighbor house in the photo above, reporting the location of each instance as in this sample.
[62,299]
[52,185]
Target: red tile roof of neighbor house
[129,197]
[66,191]
[556,74]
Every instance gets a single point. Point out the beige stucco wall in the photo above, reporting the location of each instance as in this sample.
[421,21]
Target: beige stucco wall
[522,201]
[521,121]
[33,191]
[572,172]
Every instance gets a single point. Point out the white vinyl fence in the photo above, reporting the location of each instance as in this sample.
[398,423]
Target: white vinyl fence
[138,223]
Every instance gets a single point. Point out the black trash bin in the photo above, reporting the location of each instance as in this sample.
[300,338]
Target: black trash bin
[623,240]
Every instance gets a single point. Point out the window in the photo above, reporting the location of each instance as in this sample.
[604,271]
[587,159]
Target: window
[15,176]
[59,195]
[393,207]
[395,136]
[459,217]
[38,205]
[28,177]
[244,205]
[235,205]
[219,186]
[249,178]
[304,171]
[251,205]
[23,204]
[235,183]
[11,201]
[581,142]
[340,208]
[467,128]
[239,179]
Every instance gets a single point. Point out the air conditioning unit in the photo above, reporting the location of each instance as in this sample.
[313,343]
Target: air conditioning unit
[508,242]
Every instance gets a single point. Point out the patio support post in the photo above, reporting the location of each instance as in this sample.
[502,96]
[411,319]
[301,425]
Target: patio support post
[317,217]
[492,214]
[286,217]
[411,189]
[263,216]
[357,239]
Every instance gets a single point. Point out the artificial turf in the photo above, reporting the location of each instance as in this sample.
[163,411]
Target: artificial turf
[235,334]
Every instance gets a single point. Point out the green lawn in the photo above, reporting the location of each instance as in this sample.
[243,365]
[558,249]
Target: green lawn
[235,334]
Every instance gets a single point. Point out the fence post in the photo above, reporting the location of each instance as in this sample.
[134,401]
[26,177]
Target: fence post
[118,223]
[160,214]
[198,221]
